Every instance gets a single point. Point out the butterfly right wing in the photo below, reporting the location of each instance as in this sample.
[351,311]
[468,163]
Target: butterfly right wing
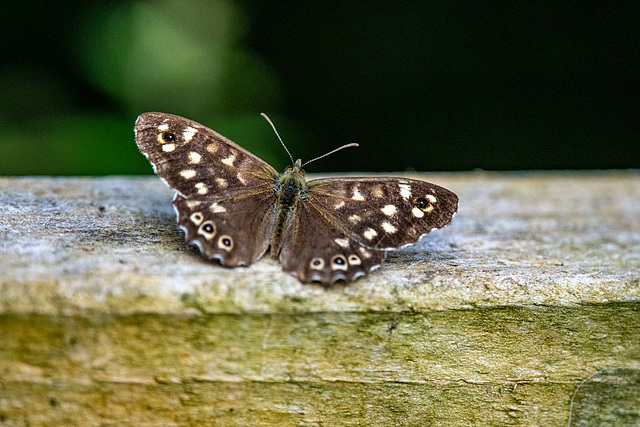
[197,161]
[316,249]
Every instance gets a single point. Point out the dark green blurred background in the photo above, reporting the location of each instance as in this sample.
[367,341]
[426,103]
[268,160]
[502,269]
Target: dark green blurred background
[420,85]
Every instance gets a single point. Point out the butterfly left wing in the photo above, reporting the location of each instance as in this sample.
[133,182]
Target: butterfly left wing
[233,229]
[383,213]
[197,161]
[225,203]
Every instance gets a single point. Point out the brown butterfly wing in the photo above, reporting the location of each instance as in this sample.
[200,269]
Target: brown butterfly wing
[384,212]
[316,249]
[225,202]
[197,161]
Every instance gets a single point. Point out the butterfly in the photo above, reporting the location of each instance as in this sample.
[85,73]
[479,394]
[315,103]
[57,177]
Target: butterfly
[234,206]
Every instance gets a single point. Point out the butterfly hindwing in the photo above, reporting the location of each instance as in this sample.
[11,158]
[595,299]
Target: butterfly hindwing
[195,160]
[235,229]
[314,250]
[385,212]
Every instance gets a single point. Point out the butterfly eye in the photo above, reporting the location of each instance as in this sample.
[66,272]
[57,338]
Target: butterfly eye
[168,137]
[301,172]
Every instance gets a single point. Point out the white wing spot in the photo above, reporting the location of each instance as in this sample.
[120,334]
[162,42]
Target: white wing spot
[229,160]
[194,157]
[167,148]
[187,173]
[192,204]
[241,178]
[355,219]
[202,188]
[370,233]
[388,227]
[342,242]
[338,205]
[365,253]
[216,208]
[417,212]
[357,195]
[431,198]
[222,183]
[212,148]
[405,191]
[163,127]
[389,210]
[188,133]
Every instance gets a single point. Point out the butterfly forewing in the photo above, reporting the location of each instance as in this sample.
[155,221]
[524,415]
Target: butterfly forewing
[383,213]
[195,160]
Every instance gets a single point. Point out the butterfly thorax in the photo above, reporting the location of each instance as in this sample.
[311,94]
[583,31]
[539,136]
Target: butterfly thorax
[290,188]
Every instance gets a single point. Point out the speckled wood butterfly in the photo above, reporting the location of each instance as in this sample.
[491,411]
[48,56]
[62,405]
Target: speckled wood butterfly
[234,206]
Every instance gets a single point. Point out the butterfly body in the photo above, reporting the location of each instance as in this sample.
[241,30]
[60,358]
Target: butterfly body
[290,189]
[235,207]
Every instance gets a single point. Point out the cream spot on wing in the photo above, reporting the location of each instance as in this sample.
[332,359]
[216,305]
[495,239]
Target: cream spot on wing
[222,183]
[405,191]
[370,233]
[355,219]
[192,204]
[194,157]
[196,218]
[163,127]
[229,160]
[212,148]
[216,208]
[377,191]
[357,195]
[207,229]
[202,188]
[354,260]
[389,210]
[342,242]
[187,173]
[339,262]
[241,178]
[225,242]
[316,264]
[388,227]
[188,133]
[431,198]
[365,253]
[428,209]
[417,213]
[338,205]
[167,148]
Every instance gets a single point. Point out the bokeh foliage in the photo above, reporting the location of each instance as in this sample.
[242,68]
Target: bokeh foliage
[422,85]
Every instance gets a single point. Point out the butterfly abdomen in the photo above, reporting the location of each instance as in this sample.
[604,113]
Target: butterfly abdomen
[290,187]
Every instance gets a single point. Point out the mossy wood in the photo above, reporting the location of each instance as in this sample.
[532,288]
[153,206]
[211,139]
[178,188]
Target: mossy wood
[528,302]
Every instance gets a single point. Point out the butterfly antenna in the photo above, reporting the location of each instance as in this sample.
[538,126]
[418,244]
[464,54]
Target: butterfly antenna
[353,144]
[278,135]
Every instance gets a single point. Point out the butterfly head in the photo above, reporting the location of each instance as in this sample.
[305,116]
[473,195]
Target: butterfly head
[296,168]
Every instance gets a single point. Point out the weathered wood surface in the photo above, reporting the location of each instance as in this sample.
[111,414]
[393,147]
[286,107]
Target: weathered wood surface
[106,316]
